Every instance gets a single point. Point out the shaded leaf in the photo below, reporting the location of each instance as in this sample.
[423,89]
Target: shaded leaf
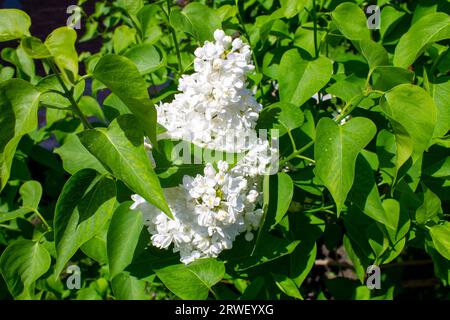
[120,149]
[431,28]
[83,207]
[123,237]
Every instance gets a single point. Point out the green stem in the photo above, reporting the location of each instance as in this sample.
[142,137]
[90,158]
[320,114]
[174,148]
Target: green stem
[53,107]
[174,38]
[305,158]
[69,96]
[42,219]
[294,146]
[8,227]
[346,110]
[296,153]
[86,76]
[319,209]
[244,29]
[316,49]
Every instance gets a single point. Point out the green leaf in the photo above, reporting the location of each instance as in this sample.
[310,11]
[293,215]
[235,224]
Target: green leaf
[6,73]
[18,116]
[377,241]
[308,78]
[287,285]
[85,204]
[374,53]
[292,8]
[21,264]
[364,194]
[439,169]
[431,28]
[197,20]
[347,88]
[14,24]
[335,152]
[430,207]
[284,190]
[90,107]
[389,18]
[440,91]
[95,248]
[54,99]
[356,225]
[302,261]
[351,21]
[303,38]
[35,48]
[399,219]
[61,45]
[31,192]
[76,157]
[123,37]
[127,287]
[385,78]
[357,262]
[244,256]
[120,149]
[281,116]
[132,6]
[386,152]
[412,113]
[441,238]
[24,64]
[441,264]
[146,57]
[18,213]
[123,237]
[192,281]
[121,76]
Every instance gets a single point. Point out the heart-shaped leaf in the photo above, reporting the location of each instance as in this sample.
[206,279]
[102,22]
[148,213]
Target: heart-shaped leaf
[127,287]
[335,152]
[300,79]
[21,264]
[192,281]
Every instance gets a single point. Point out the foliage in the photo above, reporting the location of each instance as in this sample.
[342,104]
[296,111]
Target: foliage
[364,121]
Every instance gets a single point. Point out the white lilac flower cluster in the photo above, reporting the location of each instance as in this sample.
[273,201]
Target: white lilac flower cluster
[209,212]
[214,108]
[212,209]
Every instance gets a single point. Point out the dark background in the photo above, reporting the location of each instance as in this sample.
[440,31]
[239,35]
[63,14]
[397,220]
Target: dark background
[47,15]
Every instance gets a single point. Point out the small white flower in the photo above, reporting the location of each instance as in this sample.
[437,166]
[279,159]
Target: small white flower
[252,196]
[249,236]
